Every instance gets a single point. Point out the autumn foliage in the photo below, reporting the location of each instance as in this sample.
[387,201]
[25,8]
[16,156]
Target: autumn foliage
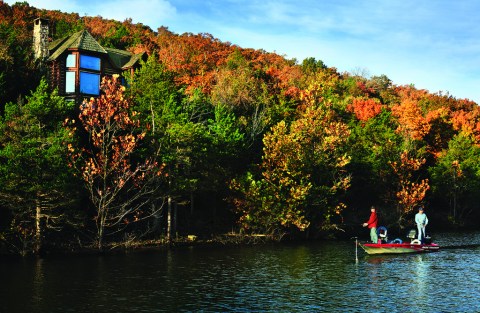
[115,183]
[410,193]
[251,141]
[412,123]
[365,109]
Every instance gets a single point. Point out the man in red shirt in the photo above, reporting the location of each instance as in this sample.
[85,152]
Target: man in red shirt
[372,224]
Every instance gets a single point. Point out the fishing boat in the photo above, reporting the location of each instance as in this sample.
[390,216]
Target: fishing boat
[397,246]
[386,248]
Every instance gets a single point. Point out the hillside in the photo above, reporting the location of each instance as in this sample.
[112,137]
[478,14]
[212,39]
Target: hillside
[234,139]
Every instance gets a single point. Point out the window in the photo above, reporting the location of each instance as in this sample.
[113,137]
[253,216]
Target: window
[88,79]
[90,83]
[89,62]
[69,82]
[71,60]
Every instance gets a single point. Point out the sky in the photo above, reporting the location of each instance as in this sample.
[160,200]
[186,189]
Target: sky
[432,44]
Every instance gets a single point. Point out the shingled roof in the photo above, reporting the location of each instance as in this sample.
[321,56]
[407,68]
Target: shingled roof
[123,59]
[134,59]
[81,40]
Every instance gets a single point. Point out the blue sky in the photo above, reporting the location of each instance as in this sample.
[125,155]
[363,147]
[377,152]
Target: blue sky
[433,44]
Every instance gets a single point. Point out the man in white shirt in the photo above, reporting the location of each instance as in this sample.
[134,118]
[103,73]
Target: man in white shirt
[422,221]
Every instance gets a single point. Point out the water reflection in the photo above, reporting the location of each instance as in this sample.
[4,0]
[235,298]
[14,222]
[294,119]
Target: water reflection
[421,270]
[315,277]
[38,281]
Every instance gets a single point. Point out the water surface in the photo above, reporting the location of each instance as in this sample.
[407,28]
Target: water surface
[309,277]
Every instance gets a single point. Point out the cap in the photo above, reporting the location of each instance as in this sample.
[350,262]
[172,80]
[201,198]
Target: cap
[420,208]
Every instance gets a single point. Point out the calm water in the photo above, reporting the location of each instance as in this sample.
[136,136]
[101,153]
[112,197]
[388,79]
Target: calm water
[313,277]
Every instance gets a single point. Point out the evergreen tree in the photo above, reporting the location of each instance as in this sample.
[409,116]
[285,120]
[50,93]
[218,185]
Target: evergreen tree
[35,178]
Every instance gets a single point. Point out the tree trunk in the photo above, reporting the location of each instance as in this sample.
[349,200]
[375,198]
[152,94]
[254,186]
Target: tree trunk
[100,229]
[454,196]
[192,206]
[38,226]
[175,211]
[100,239]
[156,219]
[169,220]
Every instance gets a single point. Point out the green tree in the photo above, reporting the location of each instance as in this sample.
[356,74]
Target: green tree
[35,181]
[194,140]
[241,89]
[16,63]
[311,65]
[456,179]
[174,132]
[372,145]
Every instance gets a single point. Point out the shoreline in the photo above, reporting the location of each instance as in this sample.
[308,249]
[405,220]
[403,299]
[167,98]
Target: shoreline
[154,245]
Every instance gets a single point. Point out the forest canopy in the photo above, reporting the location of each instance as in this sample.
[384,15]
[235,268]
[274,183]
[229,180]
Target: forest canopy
[207,137]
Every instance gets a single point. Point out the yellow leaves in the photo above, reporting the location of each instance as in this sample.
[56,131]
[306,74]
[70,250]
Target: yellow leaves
[299,159]
[412,194]
[343,160]
[339,208]
[407,165]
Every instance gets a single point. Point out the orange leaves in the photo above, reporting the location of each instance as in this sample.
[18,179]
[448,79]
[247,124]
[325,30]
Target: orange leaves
[410,193]
[114,182]
[411,122]
[111,130]
[468,122]
[407,164]
[365,109]
[109,111]
[90,169]
[194,57]
[410,92]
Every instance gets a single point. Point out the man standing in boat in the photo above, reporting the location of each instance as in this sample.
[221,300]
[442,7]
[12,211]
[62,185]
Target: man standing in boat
[372,224]
[422,221]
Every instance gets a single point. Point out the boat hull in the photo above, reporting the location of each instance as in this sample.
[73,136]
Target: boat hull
[398,248]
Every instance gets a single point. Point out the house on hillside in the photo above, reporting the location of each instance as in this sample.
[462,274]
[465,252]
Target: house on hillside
[77,63]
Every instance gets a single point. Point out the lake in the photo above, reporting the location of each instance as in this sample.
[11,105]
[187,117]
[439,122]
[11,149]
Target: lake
[300,277]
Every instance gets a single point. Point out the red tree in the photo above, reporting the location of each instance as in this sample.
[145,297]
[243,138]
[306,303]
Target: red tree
[365,109]
[116,185]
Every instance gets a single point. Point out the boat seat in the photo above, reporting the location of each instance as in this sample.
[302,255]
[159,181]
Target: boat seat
[382,234]
[412,234]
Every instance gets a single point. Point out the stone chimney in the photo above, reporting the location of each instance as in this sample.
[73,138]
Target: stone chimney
[40,39]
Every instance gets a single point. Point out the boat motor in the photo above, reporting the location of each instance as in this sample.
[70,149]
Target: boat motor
[427,240]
